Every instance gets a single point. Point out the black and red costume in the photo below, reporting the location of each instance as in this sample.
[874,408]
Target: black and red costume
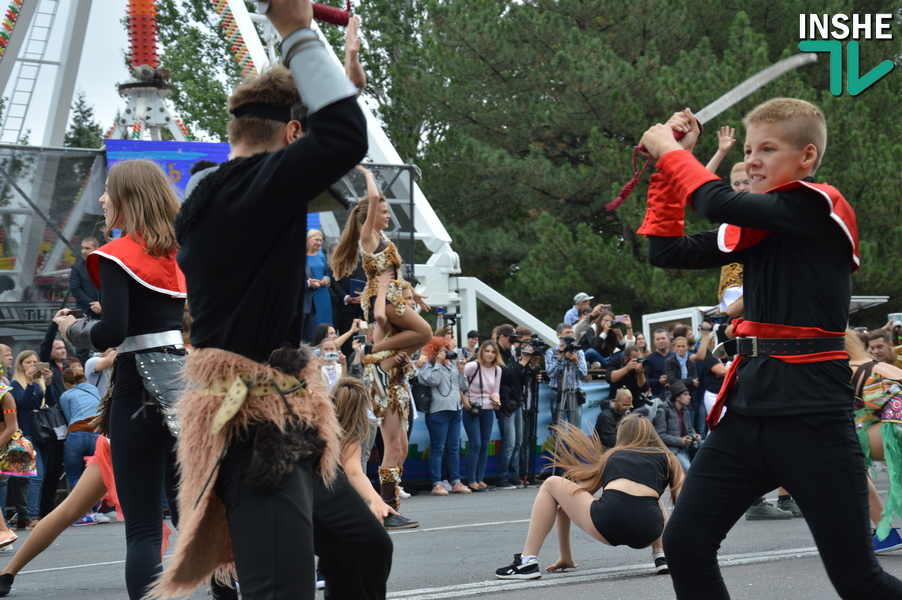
[789,421]
[143,298]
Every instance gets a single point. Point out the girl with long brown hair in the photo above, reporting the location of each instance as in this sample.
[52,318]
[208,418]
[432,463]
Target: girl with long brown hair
[351,401]
[143,296]
[633,475]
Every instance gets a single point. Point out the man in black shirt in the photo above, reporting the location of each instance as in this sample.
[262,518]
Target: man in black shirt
[627,371]
[654,362]
[788,392]
[242,303]
[611,414]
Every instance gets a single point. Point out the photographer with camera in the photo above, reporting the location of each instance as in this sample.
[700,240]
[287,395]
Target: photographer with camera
[628,371]
[443,373]
[674,424]
[566,368]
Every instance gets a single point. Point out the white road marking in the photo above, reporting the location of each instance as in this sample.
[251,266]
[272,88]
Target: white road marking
[424,530]
[469,590]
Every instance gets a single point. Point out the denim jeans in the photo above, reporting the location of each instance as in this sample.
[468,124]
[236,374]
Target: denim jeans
[33,498]
[79,444]
[574,416]
[479,432]
[592,356]
[683,457]
[511,427]
[444,444]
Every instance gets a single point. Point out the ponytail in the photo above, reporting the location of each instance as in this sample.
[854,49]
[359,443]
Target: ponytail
[344,257]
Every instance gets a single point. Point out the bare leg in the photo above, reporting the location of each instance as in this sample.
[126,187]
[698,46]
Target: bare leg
[875,508]
[557,491]
[394,439]
[658,545]
[414,335]
[87,493]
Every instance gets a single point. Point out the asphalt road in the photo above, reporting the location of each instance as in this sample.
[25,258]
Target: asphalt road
[463,539]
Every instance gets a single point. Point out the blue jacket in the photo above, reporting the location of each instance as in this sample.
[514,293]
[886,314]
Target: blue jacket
[80,402]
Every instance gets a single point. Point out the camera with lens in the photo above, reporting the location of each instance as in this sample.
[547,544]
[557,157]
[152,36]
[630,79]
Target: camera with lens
[641,359]
[475,410]
[569,344]
[451,355]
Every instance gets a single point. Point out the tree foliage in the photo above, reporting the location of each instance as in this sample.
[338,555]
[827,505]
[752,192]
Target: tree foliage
[523,115]
[84,131]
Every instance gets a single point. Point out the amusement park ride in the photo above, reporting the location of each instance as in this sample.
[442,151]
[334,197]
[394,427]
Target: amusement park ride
[25,36]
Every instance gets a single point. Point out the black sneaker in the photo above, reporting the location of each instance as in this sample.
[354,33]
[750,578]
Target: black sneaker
[504,484]
[518,483]
[661,564]
[517,571]
[6,583]
[398,522]
[762,510]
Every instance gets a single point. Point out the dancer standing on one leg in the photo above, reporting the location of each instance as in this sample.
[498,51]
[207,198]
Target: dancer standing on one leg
[400,331]
[633,475]
[788,391]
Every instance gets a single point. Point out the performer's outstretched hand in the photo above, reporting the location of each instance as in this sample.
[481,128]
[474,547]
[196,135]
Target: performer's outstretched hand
[289,15]
[561,564]
[726,138]
[353,68]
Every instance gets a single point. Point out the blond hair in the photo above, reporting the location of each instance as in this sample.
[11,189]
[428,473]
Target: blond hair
[584,459]
[314,232]
[738,167]
[801,122]
[19,370]
[344,257]
[273,87]
[351,402]
[140,192]
[854,346]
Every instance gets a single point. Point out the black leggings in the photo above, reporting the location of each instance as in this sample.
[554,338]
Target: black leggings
[274,536]
[818,459]
[144,467]
[624,519]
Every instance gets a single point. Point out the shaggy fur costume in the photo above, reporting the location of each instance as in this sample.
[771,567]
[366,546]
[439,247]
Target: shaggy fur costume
[204,545]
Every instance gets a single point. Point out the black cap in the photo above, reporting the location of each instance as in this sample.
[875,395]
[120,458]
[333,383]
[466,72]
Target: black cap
[507,330]
[677,388]
[473,333]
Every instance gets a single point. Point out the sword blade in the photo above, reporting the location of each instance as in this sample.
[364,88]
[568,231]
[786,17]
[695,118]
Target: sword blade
[753,84]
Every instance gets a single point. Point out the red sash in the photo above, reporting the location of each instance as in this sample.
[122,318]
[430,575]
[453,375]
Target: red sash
[731,238]
[158,274]
[743,328]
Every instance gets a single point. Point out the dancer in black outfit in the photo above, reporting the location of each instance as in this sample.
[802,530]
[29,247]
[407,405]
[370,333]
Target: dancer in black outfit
[143,296]
[259,448]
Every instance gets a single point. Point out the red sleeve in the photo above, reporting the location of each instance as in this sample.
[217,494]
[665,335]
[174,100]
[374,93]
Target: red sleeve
[664,215]
[684,174]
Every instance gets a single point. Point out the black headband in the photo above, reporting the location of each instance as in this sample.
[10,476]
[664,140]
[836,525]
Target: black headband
[266,111]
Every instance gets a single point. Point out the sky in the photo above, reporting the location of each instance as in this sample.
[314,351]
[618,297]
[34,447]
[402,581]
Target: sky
[100,69]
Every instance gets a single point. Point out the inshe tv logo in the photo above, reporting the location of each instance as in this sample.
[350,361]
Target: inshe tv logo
[826,33]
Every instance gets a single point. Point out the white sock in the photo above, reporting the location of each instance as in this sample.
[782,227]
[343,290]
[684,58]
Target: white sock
[526,559]
[655,555]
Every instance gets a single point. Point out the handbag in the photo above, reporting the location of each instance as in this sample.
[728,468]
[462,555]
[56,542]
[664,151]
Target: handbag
[48,424]
[422,395]
[18,457]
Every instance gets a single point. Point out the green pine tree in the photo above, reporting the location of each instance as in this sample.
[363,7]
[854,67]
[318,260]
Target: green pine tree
[84,131]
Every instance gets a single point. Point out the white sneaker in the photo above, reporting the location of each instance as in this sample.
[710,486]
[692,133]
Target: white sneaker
[447,485]
[402,494]
[101,518]
[7,548]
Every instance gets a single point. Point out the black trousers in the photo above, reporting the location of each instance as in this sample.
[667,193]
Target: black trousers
[275,536]
[53,474]
[143,456]
[818,459]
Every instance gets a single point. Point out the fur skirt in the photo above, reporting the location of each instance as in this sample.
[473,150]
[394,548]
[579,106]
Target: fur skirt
[204,546]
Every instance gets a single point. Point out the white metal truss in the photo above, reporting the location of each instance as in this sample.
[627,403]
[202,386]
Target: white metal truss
[438,276]
[147,110]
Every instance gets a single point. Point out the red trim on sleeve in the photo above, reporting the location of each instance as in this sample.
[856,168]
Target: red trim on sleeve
[684,174]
